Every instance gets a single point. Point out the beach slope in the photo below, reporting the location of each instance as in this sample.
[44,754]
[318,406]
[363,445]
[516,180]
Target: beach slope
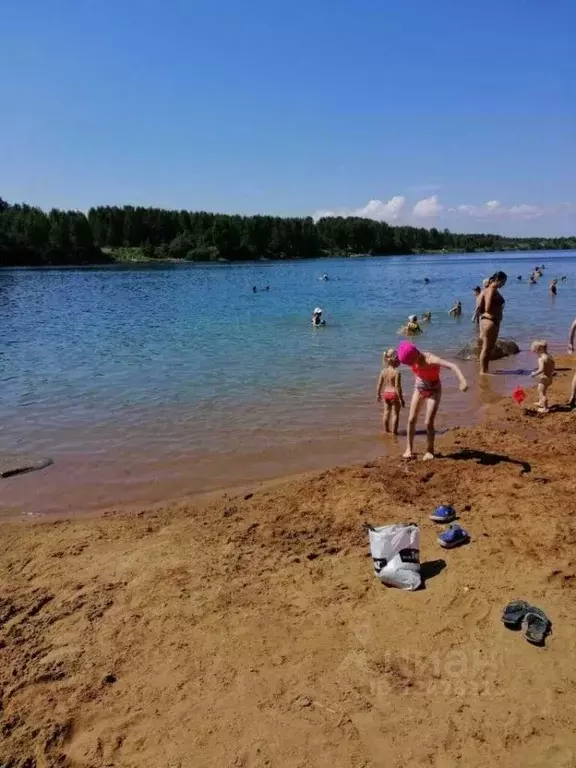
[252,633]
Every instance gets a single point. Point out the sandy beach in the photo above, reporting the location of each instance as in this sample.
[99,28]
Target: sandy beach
[250,631]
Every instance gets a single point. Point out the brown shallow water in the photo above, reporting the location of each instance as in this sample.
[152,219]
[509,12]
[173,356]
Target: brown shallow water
[123,471]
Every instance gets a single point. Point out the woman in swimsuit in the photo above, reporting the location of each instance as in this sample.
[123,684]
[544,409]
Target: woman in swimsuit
[391,382]
[491,306]
[427,387]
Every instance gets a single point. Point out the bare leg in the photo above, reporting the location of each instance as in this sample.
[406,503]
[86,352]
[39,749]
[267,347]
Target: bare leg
[387,411]
[431,410]
[489,336]
[572,400]
[395,416]
[543,397]
[415,405]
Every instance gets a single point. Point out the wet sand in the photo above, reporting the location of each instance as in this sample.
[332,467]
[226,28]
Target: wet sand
[250,631]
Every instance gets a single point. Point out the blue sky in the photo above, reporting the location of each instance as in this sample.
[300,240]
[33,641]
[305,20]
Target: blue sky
[454,114]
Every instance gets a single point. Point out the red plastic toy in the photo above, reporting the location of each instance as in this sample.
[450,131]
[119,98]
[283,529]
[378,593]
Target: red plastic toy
[519,395]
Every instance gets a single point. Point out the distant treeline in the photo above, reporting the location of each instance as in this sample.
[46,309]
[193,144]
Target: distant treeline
[29,237]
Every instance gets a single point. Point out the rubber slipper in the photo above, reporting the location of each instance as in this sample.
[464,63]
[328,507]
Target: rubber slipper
[443,514]
[514,614]
[455,536]
[538,626]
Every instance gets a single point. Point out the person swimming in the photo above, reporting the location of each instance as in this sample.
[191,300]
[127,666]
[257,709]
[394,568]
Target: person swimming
[317,318]
[456,310]
[427,317]
[412,327]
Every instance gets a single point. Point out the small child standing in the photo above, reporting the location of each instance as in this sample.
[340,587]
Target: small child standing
[390,381]
[543,374]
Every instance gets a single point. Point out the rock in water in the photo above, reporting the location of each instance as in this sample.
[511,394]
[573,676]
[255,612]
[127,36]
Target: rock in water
[503,348]
[11,465]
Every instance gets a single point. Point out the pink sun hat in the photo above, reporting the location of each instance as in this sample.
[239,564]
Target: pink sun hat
[407,352]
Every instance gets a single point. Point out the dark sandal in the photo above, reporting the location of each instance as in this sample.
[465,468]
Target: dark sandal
[514,613]
[538,626]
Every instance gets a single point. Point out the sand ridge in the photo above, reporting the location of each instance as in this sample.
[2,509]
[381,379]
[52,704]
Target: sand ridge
[251,632]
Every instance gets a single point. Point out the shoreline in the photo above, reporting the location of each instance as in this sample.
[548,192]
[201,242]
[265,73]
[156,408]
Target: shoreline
[189,635]
[82,489]
[113,262]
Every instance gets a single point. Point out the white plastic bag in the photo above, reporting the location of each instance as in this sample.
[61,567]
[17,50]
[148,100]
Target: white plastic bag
[395,550]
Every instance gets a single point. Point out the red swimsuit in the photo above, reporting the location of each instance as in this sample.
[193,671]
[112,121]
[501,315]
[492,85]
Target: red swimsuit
[427,379]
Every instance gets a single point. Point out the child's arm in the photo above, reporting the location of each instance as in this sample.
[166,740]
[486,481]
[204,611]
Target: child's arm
[399,388]
[433,360]
[541,367]
[379,387]
[571,337]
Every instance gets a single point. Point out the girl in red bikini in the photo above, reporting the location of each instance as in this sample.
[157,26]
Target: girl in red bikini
[427,387]
[391,382]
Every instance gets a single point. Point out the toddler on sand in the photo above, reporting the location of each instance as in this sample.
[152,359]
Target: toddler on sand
[391,382]
[543,374]
[427,387]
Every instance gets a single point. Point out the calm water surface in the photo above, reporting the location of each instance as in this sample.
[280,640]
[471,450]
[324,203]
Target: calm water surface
[146,383]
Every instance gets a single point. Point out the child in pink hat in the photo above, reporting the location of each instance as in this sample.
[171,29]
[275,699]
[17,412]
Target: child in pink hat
[427,387]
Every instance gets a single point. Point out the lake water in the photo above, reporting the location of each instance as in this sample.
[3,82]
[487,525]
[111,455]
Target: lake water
[147,383]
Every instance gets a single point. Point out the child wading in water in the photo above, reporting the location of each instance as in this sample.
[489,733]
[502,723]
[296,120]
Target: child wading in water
[391,382]
[543,374]
[427,387]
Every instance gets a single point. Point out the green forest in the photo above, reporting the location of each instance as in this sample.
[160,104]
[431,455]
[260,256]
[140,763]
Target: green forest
[31,237]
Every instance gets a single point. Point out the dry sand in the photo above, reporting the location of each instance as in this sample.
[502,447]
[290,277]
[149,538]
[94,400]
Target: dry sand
[252,633]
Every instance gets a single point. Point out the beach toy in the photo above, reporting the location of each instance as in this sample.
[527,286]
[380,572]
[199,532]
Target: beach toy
[443,514]
[519,395]
[455,536]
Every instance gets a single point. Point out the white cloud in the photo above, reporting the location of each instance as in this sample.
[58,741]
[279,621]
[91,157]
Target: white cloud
[374,209]
[493,209]
[428,208]
[394,210]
